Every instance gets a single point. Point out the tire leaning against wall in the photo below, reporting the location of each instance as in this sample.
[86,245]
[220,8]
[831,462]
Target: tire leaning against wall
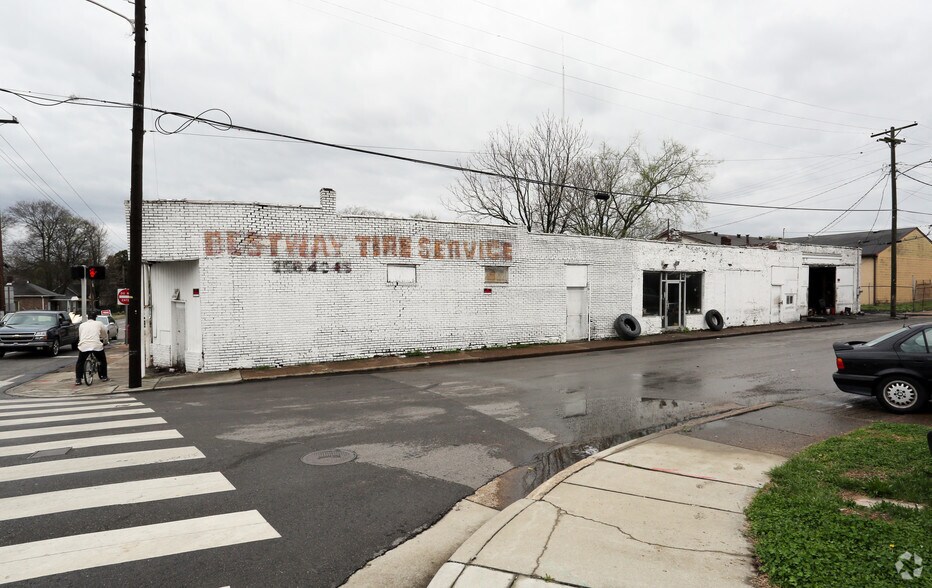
[714,319]
[627,327]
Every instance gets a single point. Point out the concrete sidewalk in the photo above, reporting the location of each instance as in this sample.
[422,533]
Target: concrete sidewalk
[663,510]
[60,383]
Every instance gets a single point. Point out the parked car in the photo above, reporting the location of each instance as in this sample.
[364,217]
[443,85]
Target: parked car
[37,330]
[896,368]
[112,329]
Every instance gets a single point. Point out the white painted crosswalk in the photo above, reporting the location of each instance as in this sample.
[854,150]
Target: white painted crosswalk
[79,552]
[26,465]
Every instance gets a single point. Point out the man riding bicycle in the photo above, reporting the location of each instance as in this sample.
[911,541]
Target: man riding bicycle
[92,336]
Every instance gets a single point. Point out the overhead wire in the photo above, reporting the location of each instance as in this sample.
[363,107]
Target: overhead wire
[579,78]
[616,71]
[679,69]
[190,119]
[851,208]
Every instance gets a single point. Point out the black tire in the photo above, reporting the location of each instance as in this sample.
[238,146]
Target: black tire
[90,369]
[55,348]
[627,327]
[714,319]
[901,394]
[2,353]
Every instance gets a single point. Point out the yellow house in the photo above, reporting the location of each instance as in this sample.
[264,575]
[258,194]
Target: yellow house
[913,263]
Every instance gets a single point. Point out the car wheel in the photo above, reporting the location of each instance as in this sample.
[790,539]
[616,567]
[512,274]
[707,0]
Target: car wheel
[55,348]
[2,353]
[901,394]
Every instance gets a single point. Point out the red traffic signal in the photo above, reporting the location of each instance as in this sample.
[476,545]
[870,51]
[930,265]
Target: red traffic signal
[96,272]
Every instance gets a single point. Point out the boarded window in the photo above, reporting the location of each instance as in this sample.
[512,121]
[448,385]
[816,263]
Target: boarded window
[402,274]
[496,274]
[651,294]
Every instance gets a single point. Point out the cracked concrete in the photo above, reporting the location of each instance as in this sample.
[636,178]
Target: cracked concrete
[664,512]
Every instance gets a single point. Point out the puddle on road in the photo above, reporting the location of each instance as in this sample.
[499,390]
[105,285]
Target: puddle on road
[518,482]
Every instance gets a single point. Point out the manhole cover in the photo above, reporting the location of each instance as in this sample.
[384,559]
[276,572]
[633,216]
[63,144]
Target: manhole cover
[329,457]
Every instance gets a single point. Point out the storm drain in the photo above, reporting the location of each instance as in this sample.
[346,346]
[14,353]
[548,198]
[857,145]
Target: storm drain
[329,457]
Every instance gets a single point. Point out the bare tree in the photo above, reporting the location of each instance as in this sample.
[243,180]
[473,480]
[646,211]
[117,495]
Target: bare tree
[644,190]
[546,181]
[53,240]
[534,171]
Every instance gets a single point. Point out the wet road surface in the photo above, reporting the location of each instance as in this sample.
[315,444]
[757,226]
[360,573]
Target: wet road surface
[425,439]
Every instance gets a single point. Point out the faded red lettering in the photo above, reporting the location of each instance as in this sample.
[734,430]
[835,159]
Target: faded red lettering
[363,245]
[491,249]
[506,250]
[296,242]
[335,243]
[233,243]
[254,244]
[274,238]
[404,244]
[453,249]
[423,247]
[319,247]
[438,249]
[470,249]
[376,248]
[390,245]
[213,243]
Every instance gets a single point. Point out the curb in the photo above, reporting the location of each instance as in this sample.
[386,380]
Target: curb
[325,369]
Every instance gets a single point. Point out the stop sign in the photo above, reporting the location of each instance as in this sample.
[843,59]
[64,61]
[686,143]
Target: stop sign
[123,296]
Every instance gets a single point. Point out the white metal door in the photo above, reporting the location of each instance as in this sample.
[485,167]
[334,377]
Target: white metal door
[844,287]
[179,333]
[577,314]
[776,303]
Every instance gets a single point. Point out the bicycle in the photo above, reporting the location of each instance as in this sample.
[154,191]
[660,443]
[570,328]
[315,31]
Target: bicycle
[91,366]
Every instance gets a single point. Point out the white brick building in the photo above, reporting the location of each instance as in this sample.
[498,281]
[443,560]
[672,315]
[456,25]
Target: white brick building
[238,285]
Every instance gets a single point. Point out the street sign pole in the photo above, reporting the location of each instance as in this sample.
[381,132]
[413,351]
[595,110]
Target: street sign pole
[84,293]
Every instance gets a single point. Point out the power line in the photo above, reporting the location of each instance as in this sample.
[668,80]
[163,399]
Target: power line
[581,79]
[73,189]
[673,67]
[617,71]
[39,176]
[229,125]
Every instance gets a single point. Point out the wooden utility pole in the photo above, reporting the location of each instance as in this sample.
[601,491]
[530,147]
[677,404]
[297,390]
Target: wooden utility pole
[890,139]
[134,310]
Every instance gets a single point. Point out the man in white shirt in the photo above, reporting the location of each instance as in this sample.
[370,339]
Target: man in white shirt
[92,336]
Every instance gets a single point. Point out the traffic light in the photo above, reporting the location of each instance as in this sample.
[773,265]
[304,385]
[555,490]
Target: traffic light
[96,272]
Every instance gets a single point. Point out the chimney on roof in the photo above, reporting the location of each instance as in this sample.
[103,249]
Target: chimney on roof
[328,200]
[726,240]
[747,239]
[715,234]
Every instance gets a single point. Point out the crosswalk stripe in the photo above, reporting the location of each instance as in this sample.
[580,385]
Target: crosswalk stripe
[66,429]
[90,442]
[72,417]
[31,505]
[90,550]
[97,462]
[68,409]
[58,401]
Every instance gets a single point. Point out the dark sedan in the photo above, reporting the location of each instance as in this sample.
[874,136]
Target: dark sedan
[896,368]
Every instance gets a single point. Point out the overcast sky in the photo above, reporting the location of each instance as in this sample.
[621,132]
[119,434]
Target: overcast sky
[784,94]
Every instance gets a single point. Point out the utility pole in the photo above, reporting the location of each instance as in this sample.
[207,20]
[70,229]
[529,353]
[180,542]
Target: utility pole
[134,312]
[891,140]
[3,300]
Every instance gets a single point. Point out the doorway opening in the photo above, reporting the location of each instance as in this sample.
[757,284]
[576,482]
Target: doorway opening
[821,289]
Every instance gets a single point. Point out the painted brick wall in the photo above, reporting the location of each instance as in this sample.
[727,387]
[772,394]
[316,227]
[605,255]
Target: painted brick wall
[283,285]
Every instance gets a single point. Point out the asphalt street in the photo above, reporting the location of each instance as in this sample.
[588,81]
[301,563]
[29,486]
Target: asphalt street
[425,439]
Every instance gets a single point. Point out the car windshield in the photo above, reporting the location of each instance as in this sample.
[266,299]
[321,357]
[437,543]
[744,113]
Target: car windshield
[883,338]
[31,320]
[103,320]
